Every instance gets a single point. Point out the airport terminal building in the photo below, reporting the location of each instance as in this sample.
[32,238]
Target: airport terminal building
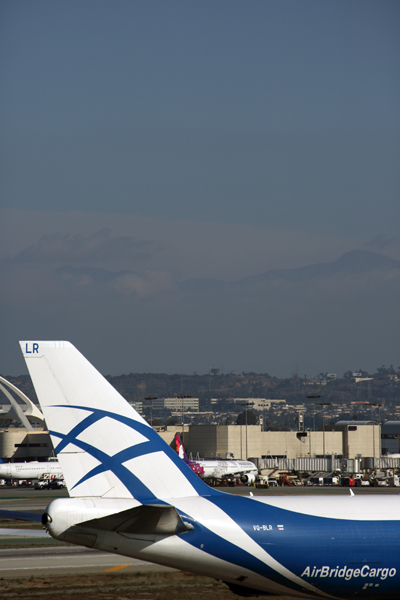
[351,439]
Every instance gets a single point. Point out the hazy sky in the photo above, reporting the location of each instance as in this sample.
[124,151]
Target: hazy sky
[145,144]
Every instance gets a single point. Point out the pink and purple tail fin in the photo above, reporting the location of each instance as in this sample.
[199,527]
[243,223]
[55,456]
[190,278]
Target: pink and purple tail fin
[195,466]
[181,449]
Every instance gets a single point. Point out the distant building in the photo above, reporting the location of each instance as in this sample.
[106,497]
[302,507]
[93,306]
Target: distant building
[216,400]
[19,445]
[360,437]
[252,403]
[391,437]
[137,405]
[350,439]
[177,403]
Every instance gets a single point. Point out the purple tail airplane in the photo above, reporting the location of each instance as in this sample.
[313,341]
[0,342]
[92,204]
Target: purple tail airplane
[196,468]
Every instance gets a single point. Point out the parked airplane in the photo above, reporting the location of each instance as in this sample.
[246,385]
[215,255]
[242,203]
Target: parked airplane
[131,494]
[196,468]
[30,470]
[219,469]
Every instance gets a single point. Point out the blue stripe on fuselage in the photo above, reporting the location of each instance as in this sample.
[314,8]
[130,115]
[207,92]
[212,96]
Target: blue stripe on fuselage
[206,540]
[304,541]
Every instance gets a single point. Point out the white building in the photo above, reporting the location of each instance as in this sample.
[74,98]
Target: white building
[176,404]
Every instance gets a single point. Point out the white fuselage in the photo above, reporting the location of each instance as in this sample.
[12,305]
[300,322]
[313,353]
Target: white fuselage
[30,470]
[66,514]
[218,469]
[217,541]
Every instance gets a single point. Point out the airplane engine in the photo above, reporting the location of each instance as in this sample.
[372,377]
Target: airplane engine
[248,478]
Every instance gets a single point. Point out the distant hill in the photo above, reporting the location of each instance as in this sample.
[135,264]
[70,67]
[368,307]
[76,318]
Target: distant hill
[357,261]
[351,263]
[94,274]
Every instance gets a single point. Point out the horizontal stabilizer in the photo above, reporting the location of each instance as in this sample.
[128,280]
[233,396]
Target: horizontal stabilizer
[143,520]
[21,516]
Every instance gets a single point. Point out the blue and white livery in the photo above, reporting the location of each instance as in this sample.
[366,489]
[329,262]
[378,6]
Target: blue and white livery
[131,494]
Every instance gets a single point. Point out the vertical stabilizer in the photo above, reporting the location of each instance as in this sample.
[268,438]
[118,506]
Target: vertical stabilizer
[105,448]
[180,448]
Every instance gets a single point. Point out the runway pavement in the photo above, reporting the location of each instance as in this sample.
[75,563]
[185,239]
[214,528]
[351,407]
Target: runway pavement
[19,498]
[28,499]
[67,560]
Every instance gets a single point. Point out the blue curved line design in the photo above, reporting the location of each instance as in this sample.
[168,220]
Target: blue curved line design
[218,547]
[114,464]
[109,462]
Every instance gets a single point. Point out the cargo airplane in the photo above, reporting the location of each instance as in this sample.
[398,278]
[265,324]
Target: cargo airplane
[131,494]
[218,469]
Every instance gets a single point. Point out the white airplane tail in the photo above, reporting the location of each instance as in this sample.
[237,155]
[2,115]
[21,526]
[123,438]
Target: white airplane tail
[105,448]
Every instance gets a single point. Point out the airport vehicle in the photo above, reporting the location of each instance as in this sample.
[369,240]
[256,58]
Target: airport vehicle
[49,484]
[219,469]
[43,484]
[30,470]
[131,494]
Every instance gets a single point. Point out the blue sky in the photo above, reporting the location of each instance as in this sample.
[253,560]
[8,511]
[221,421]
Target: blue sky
[195,140]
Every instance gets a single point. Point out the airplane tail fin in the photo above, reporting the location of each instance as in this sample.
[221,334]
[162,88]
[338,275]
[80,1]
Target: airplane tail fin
[180,448]
[105,448]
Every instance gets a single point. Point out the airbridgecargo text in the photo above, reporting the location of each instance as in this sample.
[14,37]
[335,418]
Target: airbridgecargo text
[347,574]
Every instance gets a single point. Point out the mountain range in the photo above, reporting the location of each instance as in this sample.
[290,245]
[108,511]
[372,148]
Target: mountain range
[352,263]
